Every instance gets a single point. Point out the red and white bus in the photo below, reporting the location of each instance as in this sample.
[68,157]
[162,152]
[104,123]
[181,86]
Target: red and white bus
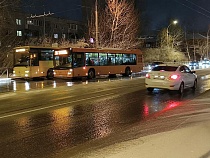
[90,62]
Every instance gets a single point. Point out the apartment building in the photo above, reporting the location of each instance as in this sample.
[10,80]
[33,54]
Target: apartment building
[31,27]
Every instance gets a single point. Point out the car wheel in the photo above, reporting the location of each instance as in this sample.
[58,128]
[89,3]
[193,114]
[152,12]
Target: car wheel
[150,89]
[181,88]
[194,85]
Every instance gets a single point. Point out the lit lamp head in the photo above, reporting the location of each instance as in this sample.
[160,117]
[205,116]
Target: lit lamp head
[175,22]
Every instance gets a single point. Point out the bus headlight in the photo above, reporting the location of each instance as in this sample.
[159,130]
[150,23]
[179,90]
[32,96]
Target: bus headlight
[26,75]
[13,72]
[70,71]
[27,72]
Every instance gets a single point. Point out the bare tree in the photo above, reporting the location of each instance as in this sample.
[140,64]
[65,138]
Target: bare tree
[174,37]
[160,54]
[187,45]
[7,30]
[118,25]
[199,48]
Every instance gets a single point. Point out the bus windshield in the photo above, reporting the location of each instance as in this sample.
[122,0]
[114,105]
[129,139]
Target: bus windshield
[63,61]
[22,59]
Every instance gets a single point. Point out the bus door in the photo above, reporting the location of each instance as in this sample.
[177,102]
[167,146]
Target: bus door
[79,64]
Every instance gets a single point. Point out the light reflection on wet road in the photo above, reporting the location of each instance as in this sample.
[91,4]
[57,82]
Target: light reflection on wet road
[51,133]
[24,85]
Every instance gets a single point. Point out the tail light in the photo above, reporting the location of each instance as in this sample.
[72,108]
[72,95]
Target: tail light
[174,77]
[148,76]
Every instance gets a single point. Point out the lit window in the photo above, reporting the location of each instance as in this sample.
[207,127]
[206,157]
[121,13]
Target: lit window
[18,21]
[29,22]
[19,33]
[63,35]
[55,35]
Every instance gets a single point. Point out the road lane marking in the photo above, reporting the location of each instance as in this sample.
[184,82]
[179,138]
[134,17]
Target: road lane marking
[52,106]
[62,98]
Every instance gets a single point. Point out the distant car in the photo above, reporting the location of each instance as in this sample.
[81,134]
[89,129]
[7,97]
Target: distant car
[193,64]
[206,62]
[171,77]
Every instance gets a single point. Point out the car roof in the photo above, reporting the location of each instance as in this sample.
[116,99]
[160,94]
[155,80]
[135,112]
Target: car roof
[171,64]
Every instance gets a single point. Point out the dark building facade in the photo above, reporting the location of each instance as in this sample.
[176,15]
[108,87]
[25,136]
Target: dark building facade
[31,27]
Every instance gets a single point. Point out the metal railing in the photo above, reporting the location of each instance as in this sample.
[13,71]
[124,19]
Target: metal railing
[4,71]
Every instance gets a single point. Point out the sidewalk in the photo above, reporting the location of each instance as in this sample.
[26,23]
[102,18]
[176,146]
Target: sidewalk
[187,142]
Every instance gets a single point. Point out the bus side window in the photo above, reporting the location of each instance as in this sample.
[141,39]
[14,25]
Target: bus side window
[79,60]
[89,62]
[111,59]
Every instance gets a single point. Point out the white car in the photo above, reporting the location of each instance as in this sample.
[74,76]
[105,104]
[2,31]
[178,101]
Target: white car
[171,77]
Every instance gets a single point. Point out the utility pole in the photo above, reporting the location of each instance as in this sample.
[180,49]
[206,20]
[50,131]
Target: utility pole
[96,22]
[207,44]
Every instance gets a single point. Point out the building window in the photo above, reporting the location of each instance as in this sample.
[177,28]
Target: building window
[63,35]
[73,26]
[19,33]
[35,22]
[55,35]
[18,21]
[29,22]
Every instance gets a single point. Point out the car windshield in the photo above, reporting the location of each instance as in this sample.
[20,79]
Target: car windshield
[165,68]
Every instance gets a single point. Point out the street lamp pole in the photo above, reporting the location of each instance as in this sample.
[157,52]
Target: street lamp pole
[96,22]
[167,31]
[167,36]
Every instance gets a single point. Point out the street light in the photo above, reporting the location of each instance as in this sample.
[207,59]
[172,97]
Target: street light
[174,23]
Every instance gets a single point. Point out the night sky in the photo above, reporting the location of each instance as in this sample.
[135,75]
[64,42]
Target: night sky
[63,8]
[193,14]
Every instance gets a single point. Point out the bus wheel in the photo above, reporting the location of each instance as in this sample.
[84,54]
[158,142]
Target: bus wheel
[91,74]
[127,72]
[50,74]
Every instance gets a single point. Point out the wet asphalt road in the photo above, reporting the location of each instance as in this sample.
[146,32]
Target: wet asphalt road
[69,119]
